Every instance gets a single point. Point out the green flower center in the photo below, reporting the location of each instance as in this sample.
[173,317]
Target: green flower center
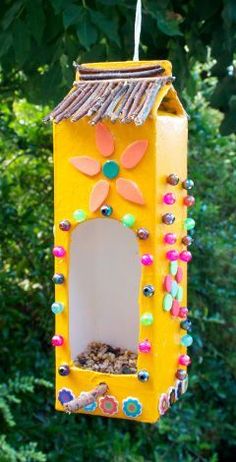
[110,169]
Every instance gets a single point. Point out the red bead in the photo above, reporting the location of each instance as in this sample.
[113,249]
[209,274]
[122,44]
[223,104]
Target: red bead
[185,256]
[57,340]
[170,238]
[183,312]
[184,360]
[172,255]
[187,240]
[169,198]
[189,201]
[145,346]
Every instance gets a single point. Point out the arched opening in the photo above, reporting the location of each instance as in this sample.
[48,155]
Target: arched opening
[104,278]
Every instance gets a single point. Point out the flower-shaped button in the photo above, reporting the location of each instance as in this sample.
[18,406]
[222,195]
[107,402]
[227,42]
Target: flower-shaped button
[132,407]
[65,395]
[109,405]
[163,403]
[110,169]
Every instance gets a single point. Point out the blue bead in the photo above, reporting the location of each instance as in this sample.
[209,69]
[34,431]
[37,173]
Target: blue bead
[64,370]
[186,325]
[143,376]
[188,184]
[57,307]
[148,291]
[186,340]
[106,210]
[58,278]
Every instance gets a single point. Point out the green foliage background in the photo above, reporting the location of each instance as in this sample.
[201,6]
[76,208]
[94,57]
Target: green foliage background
[201,426]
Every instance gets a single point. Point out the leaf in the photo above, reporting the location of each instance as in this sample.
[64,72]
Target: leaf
[21,41]
[72,15]
[108,26]
[35,19]
[167,25]
[10,14]
[5,43]
[86,32]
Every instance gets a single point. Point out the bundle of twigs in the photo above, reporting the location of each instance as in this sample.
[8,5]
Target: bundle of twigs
[115,94]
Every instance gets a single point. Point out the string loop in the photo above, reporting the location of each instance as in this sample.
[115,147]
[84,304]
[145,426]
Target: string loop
[137,29]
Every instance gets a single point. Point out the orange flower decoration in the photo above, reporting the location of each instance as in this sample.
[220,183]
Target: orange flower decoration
[130,157]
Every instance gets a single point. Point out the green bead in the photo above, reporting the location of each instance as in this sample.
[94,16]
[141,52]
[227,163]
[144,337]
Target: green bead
[173,267]
[110,169]
[174,289]
[186,340]
[167,302]
[79,215]
[189,223]
[128,220]
[179,295]
[146,319]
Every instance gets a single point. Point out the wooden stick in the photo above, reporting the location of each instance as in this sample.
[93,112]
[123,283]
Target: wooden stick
[87,398]
[116,99]
[92,70]
[121,75]
[116,113]
[137,99]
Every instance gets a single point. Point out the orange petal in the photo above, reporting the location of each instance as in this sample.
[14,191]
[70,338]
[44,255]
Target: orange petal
[85,164]
[134,153]
[98,195]
[104,140]
[130,191]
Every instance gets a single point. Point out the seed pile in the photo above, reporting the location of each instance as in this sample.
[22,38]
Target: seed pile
[101,357]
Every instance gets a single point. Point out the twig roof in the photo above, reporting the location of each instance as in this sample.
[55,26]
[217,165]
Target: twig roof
[125,94]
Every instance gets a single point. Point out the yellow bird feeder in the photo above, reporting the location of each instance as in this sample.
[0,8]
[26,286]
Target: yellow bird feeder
[120,154]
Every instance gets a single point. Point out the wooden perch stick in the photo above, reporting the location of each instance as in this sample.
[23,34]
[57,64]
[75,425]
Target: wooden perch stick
[92,70]
[121,75]
[86,398]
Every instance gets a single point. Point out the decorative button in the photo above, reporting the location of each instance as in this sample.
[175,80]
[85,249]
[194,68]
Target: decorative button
[168,218]
[110,169]
[173,179]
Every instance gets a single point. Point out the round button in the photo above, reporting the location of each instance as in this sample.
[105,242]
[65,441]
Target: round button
[110,169]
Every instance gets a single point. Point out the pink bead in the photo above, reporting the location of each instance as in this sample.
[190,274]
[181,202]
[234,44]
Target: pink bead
[172,255]
[147,259]
[185,256]
[168,283]
[144,347]
[58,251]
[175,308]
[184,360]
[189,201]
[183,312]
[170,238]
[179,275]
[169,198]
[57,340]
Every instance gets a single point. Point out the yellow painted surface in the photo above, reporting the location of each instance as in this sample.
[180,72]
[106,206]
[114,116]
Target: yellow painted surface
[166,154]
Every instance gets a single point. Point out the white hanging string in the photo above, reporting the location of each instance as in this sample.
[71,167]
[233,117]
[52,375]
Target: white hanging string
[137,29]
